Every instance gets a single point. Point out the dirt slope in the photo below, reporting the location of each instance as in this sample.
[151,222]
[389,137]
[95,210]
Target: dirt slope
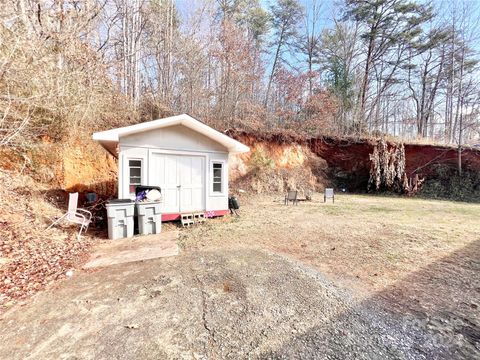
[275,166]
[33,186]
[347,159]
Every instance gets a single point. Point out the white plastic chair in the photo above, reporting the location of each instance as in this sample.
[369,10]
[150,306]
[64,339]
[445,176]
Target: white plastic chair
[75,215]
[329,194]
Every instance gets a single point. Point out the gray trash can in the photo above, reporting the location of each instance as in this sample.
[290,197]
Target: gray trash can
[149,218]
[120,218]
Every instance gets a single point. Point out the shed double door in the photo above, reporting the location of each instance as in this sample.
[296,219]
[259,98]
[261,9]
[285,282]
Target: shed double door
[181,179]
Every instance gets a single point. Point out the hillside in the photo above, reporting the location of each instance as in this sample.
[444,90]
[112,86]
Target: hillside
[344,162]
[296,161]
[33,193]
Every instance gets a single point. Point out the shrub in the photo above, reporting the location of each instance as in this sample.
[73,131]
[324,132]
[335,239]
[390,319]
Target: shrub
[446,183]
[260,160]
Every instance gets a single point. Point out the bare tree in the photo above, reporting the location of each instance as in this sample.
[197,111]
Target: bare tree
[310,41]
[129,45]
[382,68]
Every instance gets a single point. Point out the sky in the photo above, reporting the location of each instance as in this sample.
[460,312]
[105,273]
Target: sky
[332,9]
[329,7]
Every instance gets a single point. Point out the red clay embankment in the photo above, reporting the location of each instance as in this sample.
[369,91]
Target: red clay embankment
[347,159]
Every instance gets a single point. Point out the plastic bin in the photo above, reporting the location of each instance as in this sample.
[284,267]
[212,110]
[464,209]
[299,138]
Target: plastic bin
[120,218]
[149,218]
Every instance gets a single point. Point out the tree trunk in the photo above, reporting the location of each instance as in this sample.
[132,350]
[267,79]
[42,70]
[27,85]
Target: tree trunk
[364,89]
[277,54]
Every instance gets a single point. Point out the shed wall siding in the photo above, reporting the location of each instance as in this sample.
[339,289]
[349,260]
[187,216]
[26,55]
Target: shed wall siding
[176,137]
[174,140]
[216,201]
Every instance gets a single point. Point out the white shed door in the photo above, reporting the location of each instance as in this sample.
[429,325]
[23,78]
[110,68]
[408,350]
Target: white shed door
[181,179]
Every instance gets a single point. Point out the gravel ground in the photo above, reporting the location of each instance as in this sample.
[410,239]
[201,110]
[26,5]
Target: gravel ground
[229,304]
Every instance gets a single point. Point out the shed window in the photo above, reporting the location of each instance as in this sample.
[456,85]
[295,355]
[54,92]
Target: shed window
[135,174]
[217,177]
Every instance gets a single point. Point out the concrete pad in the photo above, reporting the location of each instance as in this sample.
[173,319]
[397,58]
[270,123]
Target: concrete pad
[134,249]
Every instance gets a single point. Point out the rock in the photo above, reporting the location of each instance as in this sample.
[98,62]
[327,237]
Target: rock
[69,273]
[133,326]
[4,261]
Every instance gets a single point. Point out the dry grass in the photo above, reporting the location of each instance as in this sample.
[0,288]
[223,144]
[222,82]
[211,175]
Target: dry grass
[366,242]
[419,258]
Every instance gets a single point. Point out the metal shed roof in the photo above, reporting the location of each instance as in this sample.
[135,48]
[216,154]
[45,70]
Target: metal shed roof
[110,138]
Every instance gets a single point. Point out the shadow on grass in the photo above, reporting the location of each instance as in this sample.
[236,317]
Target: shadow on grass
[432,313]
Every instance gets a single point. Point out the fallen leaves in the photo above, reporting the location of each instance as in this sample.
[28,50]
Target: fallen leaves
[32,256]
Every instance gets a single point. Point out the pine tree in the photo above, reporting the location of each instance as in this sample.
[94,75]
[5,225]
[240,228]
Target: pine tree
[386,24]
[285,16]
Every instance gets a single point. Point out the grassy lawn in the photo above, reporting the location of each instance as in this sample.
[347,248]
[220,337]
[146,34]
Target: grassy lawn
[420,258]
[369,243]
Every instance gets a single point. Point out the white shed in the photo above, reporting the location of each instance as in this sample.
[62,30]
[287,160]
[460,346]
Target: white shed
[187,159]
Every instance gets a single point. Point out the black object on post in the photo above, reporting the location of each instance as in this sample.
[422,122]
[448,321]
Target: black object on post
[233,205]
